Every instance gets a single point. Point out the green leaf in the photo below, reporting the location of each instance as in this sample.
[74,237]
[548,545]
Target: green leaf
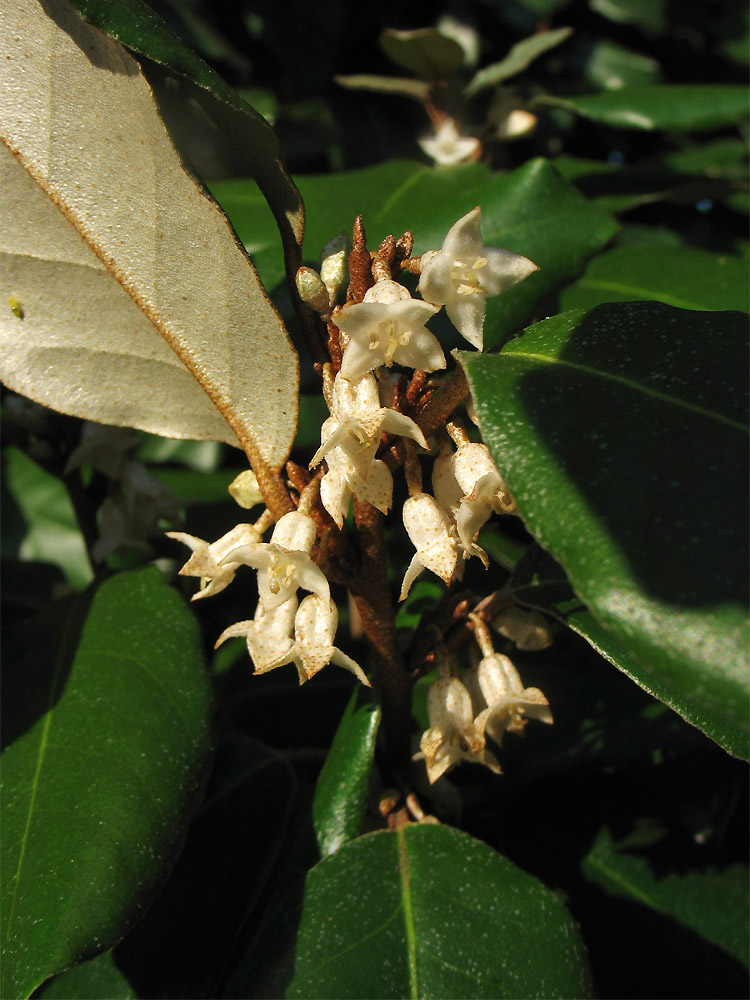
[424,51]
[532,211]
[676,107]
[341,792]
[141,30]
[51,533]
[711,901]
[427,911]
[93,980]
[520,56]
[648,15]
[541,582]
[621,432]
[106,720]
[680,276]
[610,65]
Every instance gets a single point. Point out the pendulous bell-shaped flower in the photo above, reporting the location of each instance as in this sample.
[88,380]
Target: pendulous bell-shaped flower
[268,634]
[434,538]
[211,562]
[388,326]
[351,436]
[315,626]
[452,736]
[284,563]
[465,273]
[467,484]
[509,705]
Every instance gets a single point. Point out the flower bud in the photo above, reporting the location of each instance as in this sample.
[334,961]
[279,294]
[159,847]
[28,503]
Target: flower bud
[312,290]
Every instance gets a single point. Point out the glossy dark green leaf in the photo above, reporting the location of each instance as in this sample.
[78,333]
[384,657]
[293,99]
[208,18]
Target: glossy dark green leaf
[712,901]
[680,276]
[341,792]
[140,29]
[532,211]
[106,717]
[541,582]
[50,531]
[622,433]
[676,107]
[427,911]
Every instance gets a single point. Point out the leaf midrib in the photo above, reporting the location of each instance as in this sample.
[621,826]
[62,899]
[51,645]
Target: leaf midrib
[44,739]
[662,397]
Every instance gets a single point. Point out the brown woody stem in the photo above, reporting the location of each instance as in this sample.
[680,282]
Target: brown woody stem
[374,602]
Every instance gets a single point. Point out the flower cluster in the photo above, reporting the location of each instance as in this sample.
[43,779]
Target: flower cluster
[381,326]
[284,629]
[490,701]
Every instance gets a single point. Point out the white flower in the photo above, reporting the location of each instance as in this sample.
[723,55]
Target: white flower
[527,628]
[388,326]
[351,436]
[447,146]
[467,484]
[465,272]
[509,704]
[268,634]
[452,736]
[431,533]
[210,562]
[314,630]
[284,563]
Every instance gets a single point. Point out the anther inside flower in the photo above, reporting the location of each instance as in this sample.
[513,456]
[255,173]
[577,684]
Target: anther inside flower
[388,326]
[284,563]
[465,272]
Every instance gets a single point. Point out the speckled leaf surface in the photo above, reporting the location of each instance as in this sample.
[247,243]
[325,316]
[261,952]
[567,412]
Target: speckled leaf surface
[138,306]
[541,582]
[106,720]
[622,433]
[680,276]
[435,914]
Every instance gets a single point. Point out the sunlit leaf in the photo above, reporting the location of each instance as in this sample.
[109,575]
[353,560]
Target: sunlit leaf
[627,457]
[132,283]
[51,533]
[680,276]
[135,25]
[106,722]
[520,56]
[531,211]
[434,913]
[538,580]
[674,107]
